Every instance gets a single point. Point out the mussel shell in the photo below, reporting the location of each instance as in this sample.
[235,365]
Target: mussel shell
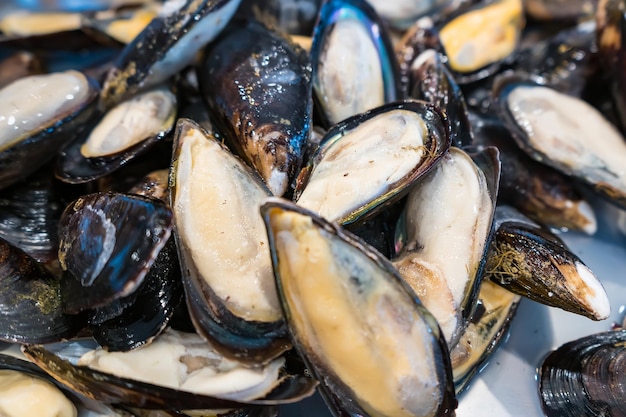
[431,81]
[341,87]
[165,46]
[435,146]
[246,325]
[30,306]
[374,281]
[572,153]
[114,390]
[26,156]
[258,85]
[469,58]
[150,309]
[108,243]
[430,234]
[73,167]
[29,214]
[537,190]
[532,262]
[488,329]
[585,377]
[401,14]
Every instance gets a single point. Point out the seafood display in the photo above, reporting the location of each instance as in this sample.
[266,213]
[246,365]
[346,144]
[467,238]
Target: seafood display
[279,197]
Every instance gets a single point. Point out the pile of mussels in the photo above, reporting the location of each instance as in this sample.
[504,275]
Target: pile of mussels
[214,207]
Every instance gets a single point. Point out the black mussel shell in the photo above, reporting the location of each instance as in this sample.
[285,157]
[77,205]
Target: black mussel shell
[537,190]
[29,153]
[165,46]
[108,242]
[361,80]
[29,214]
[332,283]
[431,81]
[30,302]
[246,325]
[115,390]
[585,377]
[258,84]
[72,166]
[531,261]
[436,142]
[586,146]
[126,324]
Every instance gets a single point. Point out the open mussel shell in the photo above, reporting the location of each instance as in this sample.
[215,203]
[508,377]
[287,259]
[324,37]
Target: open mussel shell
[65,101]
[354,68]
[75,364]
[540,192]
[268,125]
[167,45]
[542,122]
[371,160]
[227,270]
[532,262]
[569,10]
[477,40]
[446,230]
[108,242]
[360,330]
[487,330]
[30,301]
[585,377]
[126,131]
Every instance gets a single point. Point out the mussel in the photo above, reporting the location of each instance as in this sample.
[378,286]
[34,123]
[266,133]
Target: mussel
[391,146]
[361,331]
[564,132]
[585,377]
[258,84]
[354,69]
[227,268]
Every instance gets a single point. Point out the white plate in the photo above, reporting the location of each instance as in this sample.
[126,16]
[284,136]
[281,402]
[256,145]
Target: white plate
[507,386]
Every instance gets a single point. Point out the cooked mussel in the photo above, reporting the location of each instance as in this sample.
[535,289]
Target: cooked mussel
[227,269]
[361,331]
[477,40]
[371,160]
[258,84]
[354,69]
[585,377]
[447,229]
[38,115]
[564,132]
[402,13]
[176,371]
[25,390]
[487,330]
[126,131]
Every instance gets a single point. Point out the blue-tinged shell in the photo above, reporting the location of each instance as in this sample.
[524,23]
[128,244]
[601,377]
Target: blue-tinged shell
[371,160]
[108,242]
[354,67]
[258,84]
[167,45]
